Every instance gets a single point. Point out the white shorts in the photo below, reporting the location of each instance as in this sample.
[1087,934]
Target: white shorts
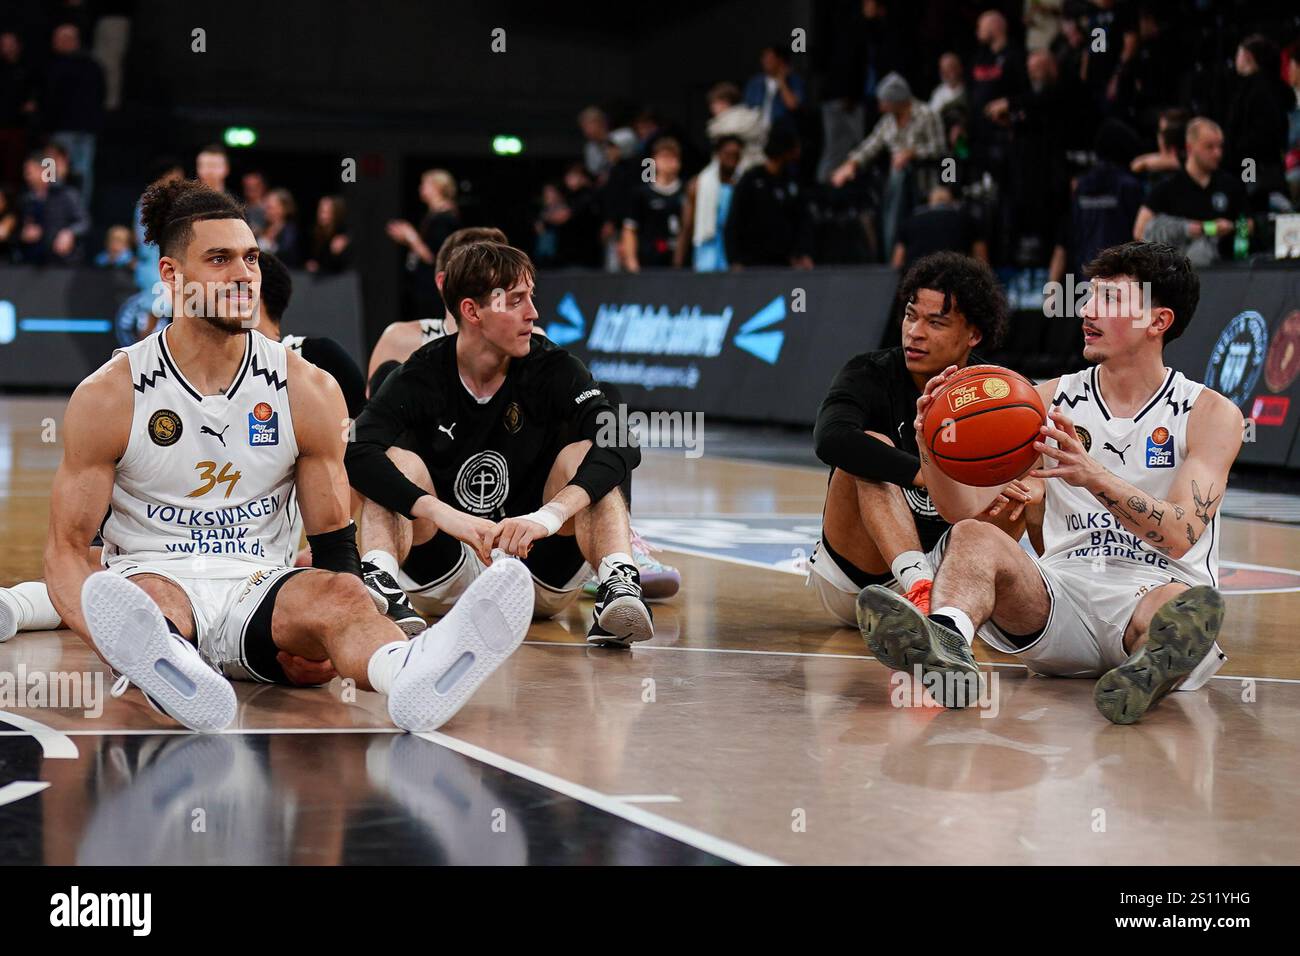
[1088,612]
[436,598]
[836,589]
[223,609]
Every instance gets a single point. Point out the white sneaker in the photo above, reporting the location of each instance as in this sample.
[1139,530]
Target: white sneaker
[130,631]
[8,616]
[447,662]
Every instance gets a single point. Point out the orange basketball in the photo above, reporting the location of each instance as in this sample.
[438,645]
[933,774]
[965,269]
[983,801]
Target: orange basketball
[981,428]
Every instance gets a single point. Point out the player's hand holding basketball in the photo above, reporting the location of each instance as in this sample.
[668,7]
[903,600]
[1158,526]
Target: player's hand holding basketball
[927,396]
[1073,465]
[1016,495]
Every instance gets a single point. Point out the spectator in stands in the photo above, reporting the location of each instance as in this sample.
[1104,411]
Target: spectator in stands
[595,131]
[554,212]
[1103,62]
[951,90]
[1171,133]
[441,219]
[1196,208]
[281,233]
[913,135]
[942,225]
[54,218]
[578,237]
[72,103]
[117,252]
[1149,80]
[708,203]
[1103,207]
[330,245]
[997,72]
[211,167]
[8,228]
[1258,119]
[1293,141]
[164,170]
[776,91]
[17,104]
[768,224]
[614,195]
[653,224]
[728,116]
[1042,23]
[254,187]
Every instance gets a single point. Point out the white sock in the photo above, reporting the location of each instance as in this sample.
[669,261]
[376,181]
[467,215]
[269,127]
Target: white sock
[385,663]
[31,605]
[910,567]
[382,560]
[607,564]
[960,618]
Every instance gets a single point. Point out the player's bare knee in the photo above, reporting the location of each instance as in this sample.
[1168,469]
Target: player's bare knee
[971,535]
[565,467]
[339,597]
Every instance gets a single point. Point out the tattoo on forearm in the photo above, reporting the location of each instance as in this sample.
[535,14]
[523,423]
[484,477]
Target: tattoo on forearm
[1138,505]
[1157,540]
[1157,515]
[1204,502]
[1191,536]
[1179,512]
[1112,505]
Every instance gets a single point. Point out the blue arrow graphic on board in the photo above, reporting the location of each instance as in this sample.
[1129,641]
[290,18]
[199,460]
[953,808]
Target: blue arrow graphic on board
[574,326]
[764,345]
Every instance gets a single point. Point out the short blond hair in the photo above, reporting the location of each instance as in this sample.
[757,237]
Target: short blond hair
[444,182]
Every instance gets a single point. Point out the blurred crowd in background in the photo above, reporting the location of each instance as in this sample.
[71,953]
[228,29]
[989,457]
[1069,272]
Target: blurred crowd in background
[1029,134]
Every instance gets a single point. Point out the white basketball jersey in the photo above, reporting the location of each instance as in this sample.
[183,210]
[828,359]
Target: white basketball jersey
[206,485]
[292,342]
[431,329]
[1146,451]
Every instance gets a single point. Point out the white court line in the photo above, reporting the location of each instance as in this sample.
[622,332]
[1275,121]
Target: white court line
[612,805]
[644,797]
[20,789]
[857,657]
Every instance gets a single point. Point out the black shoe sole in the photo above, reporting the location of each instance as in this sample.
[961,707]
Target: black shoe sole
[1182,632]
[902,638]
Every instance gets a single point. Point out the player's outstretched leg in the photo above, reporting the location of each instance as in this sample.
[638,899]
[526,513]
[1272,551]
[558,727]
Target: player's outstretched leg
[903,638]
[131,633]
[1179,636]
[441,667]
[26,607]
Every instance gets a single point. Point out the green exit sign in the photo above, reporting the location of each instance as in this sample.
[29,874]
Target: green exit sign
[239,136]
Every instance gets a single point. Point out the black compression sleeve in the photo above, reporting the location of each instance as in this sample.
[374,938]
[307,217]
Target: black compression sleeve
[840,434]
[336,550]
[402,405]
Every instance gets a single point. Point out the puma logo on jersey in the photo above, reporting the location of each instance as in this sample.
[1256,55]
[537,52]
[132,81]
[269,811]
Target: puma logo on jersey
[444,428]
[1111,448]
[219,436]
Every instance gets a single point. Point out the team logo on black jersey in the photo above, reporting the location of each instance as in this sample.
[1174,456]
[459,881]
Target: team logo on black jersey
[263,426]
[165,427]
[513,419]
[1085,436]
[482,483]
[1160,448]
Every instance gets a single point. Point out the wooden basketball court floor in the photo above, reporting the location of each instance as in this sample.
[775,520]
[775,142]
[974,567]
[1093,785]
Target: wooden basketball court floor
[750,730]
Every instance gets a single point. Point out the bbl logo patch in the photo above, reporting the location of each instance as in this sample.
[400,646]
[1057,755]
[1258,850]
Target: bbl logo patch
[482,483]
[263,425]
[1160,449]
[1238,357]
[513,418]
[165,427]
[1085,436]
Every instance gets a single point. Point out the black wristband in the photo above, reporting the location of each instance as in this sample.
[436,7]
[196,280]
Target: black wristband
[336,550]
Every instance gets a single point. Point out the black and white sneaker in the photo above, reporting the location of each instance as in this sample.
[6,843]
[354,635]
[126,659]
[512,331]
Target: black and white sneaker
[621,617]
[391,600]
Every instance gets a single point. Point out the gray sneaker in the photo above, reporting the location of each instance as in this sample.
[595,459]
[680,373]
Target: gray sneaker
[1182,632]
[902,638]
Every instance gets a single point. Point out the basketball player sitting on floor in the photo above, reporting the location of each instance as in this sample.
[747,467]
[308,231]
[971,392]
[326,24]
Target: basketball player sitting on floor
[1125,585]
[879,525]
[205,438]
[510,450]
